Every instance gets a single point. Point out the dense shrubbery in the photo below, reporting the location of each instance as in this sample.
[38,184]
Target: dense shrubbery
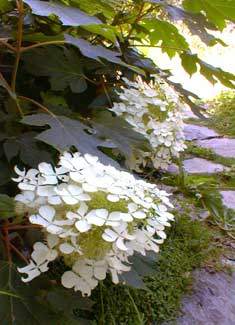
[63,67]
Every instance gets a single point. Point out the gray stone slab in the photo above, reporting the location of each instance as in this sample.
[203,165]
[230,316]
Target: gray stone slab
[198,166]
[202,166]
[198,132]
[228,198]
[212,301]
[224,146]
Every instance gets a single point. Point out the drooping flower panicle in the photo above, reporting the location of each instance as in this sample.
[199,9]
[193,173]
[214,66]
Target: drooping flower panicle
[156,111]
[93,217]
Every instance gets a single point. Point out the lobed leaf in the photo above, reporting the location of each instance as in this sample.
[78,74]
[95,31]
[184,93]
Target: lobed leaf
[69,16]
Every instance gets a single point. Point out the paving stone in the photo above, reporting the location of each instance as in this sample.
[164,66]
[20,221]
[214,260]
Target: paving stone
[223,146]
[212,301]
[198,132]
[202,166]
[228,198]
[197,166]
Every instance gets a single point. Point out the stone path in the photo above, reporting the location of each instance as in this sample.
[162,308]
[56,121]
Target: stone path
[213,299]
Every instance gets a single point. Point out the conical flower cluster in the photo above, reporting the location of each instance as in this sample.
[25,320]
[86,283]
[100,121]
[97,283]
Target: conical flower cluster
[93,217]
[154,110]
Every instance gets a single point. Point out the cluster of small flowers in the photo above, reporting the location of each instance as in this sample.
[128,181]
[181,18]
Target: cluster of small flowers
[154,110]
[93,217]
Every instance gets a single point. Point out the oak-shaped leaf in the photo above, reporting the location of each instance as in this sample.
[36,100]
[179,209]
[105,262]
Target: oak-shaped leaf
[69,16]
[64,132]
[28,149]
[216,11]
[62,66]
[22,303]
[120,133]
[98,52]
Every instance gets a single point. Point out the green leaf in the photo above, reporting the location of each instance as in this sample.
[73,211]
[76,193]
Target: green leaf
[165,35]
[216,11]
[120,133]
[7,207]
[20,305]
[196,23]
[189,63]
[65,133]
[97,52]
[141,266]
[62,66]
[211,73]
[108,32]
[69,16]
[28,149]
[5,5]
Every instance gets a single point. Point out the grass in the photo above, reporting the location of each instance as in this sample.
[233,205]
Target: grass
[194,150]
[188,247]
[221,111]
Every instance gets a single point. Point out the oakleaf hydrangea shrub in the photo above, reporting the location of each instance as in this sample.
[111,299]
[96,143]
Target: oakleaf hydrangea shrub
[93,216]
[156,111]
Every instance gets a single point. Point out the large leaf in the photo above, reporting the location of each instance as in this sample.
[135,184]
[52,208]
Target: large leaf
[213,74]
[141,267]
[166,35]
[98,52]
[69,16]
[7,207]
[197,23]
[63,67]
[27,147]
[216,11]
[65,133]
[120,133]
[19,303]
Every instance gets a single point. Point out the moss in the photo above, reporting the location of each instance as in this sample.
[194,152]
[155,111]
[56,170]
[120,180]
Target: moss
[187,247]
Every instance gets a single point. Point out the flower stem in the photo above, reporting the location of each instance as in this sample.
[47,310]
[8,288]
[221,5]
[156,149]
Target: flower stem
[19,41]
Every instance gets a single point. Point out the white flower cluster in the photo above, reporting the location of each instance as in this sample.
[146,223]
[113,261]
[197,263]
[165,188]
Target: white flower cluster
[93,216]
[155,111]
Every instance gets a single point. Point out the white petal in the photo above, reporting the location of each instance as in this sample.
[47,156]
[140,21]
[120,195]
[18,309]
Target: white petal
[26,187]
[55,230]
[55,200]
[113,198]
[69,279]
[120,244]
[47,212]
[38,220]
[75,190]
[102,213]
[46,190]
[84,197]
[161,234]
[89,188]
[126,217]
[71,215]
[65,248]
[70,200]
[109,235]
[115,216]
[100,272]
[93,219]
[52,240]
[82,225]
[139,215]
[82,209]
[132,207]
[46,168]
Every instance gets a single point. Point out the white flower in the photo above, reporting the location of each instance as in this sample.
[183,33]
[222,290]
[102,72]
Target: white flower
[93,217]
[156,112]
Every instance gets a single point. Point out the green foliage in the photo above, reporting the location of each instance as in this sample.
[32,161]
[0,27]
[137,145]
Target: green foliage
[61,64]
[7,207]
[222,113]
[217,12]
[188,246]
